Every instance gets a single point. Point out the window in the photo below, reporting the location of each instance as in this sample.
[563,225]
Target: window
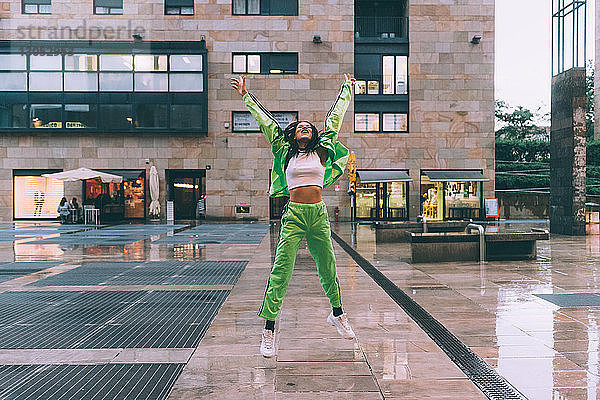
[115,116]
[13,116]
[265,63]
[108,6]
[114,90]
[36,197]
[179,7]
[370,122]
[364,122]
[243,121]
[78,116]
[395,74]
[265,7]
[36,7]
[395,122]
[376,74]
[46,116]
[186,116]
[151,115]
[13,81]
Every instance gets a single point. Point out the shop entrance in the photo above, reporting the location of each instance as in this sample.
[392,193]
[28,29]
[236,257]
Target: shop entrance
[187,190]
[381,201]
[118,201]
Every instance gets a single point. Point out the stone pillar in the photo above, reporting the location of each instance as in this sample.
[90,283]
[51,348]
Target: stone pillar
[567,153]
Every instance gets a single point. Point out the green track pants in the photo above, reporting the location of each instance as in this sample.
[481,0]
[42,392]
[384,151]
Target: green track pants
[299,220]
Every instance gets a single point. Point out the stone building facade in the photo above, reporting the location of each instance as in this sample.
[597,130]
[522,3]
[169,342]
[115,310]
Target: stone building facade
[450,100]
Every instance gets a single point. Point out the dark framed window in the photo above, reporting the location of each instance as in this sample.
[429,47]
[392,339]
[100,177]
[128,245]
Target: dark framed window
[115,116]
[264,7]
[104,86]
[243,121]
[381,74]
[13,116]
[179,7]
[186,116]
[375,122]
[80,116]
[36,7]
[265,63]
[150,115]
[108,7]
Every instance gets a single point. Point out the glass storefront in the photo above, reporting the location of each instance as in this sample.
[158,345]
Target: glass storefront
[463,200]
[432,204]
[381,200]
[451,195]
[36,197]
[117,201]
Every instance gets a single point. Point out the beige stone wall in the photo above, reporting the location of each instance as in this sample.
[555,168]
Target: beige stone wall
[451,95]
[240,163]
[451,89]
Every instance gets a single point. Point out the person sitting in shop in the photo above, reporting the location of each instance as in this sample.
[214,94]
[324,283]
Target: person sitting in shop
[64,210]
[76,210]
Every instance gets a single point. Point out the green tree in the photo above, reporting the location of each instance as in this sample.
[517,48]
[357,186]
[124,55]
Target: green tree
[589,102]
[518,123]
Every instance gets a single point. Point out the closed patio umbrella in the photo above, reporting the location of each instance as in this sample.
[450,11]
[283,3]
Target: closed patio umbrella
[82,174]
[154,191]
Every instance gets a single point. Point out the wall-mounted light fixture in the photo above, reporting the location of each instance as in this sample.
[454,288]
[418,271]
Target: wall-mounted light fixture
[476,39]
[317,39]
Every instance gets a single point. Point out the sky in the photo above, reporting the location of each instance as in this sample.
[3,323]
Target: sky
[523,51]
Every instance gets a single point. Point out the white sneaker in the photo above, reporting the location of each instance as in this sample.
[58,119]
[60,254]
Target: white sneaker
[267,346]
[342,325]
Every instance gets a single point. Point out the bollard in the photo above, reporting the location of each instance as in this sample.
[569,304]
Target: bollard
[337,213]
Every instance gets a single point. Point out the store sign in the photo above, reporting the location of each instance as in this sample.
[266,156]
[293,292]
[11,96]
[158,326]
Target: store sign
[50,125]
[245,122]
[491,208]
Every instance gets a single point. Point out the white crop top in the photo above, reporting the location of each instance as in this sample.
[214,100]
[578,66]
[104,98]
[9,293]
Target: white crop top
[305,169]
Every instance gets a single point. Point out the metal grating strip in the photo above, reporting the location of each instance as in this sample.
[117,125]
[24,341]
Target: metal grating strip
[111,319]
[149,273]
[493,385]
[97,382]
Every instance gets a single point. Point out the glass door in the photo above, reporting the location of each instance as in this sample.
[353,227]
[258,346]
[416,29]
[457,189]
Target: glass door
[186,193]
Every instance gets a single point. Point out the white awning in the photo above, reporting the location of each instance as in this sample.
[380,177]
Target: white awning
[82,174]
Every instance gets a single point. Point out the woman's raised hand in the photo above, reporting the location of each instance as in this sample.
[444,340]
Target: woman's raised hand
[239,84]
[349,77]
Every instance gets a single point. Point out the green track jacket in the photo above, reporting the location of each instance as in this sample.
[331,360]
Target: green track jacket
[338,153]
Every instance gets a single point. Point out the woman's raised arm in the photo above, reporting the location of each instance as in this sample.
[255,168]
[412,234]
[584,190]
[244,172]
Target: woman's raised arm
[267,123]
[335,116]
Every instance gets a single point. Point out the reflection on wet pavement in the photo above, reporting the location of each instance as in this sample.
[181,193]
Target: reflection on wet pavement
[547,351]
[544,350]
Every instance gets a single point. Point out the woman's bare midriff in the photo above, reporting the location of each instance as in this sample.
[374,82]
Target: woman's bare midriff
[306,194]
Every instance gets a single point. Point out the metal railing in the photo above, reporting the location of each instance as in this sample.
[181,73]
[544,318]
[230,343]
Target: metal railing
[381,27]
[481,231]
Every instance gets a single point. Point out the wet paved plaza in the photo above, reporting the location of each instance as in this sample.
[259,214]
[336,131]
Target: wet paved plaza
[169,311]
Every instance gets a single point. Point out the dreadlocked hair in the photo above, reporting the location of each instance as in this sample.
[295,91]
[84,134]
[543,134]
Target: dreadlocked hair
[289,134]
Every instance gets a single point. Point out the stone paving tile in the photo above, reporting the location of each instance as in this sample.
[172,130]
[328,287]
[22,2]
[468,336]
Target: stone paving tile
[312,361]
[545,351]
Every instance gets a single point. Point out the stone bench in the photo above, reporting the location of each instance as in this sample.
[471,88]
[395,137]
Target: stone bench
[456,246]
[396,232]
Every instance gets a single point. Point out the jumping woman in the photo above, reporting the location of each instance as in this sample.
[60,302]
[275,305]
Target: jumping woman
[305,163]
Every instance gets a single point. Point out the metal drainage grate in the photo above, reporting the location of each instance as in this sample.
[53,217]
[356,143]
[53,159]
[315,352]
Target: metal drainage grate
[478,371]
[13,270]
[219,234]
[572,299]
[85,320]
[149,273]
[90,382]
